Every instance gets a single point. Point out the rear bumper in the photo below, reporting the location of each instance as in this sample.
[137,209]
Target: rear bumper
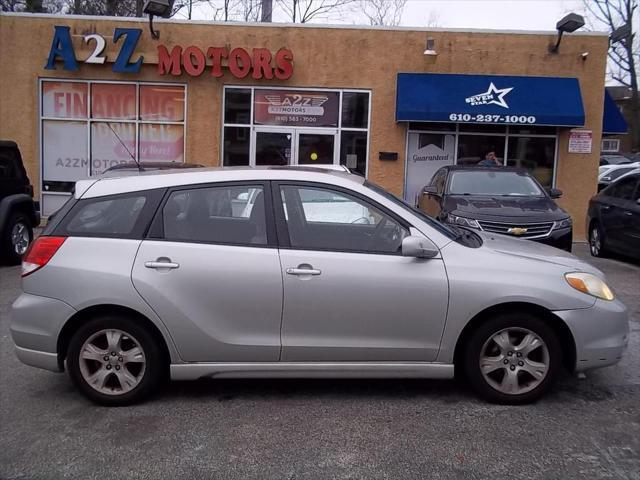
[36,323]
[601,333]
[34,358]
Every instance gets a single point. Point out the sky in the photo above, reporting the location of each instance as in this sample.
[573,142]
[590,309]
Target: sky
[488,14]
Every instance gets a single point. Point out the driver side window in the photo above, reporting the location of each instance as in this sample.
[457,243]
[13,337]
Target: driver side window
[326,219]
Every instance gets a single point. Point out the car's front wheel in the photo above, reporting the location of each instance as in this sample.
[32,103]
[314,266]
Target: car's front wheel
[114,361]
[512,358]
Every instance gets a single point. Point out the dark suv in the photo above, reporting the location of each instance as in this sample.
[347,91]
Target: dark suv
[18,213]
[498,200]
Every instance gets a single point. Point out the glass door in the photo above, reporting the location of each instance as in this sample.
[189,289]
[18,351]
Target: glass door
[273,147]
[316,148]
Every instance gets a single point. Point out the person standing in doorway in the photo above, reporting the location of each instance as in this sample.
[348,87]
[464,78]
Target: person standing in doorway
[490,160]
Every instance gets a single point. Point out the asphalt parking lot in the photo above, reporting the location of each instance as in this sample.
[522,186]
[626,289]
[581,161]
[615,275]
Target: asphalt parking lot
[586,428]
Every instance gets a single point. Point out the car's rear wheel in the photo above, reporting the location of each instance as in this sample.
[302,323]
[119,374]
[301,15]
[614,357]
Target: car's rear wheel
[596,241]
[114,361]
[18,235]
[512,358]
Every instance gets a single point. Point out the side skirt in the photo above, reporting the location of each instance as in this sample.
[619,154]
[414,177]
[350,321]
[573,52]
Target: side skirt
[193,371]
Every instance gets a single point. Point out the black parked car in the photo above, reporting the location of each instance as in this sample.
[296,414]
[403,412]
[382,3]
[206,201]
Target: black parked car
[613,218]
[18,214]
[498,200]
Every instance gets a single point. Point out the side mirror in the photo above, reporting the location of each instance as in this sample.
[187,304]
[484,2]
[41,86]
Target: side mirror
[555,193]
[419,247]
[430,190]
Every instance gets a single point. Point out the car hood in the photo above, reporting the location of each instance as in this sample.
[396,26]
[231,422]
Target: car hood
[533,209]
[527,249]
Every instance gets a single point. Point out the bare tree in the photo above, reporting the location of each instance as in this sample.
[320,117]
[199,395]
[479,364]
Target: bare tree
[303,11]
[383,12]
[32,6]
[624,52]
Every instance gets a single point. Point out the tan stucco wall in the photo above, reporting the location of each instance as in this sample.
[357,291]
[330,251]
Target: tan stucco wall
[323,57]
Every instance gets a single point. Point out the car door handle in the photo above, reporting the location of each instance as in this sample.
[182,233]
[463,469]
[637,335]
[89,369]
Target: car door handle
[303,271]
[161,264]
[628,213]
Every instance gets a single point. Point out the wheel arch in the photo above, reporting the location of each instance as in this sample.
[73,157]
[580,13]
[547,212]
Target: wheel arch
[560,328]
[78,319]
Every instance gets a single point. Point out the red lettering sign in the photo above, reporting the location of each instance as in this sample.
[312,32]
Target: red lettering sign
[193,61]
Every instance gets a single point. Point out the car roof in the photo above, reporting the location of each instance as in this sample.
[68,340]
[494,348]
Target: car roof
[148,180]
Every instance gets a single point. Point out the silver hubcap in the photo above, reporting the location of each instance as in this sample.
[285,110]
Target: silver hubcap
[595,242]
[514,361]
[112,362]
[20,238]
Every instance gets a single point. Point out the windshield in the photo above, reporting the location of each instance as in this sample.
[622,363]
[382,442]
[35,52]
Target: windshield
[444,229]
[494,183]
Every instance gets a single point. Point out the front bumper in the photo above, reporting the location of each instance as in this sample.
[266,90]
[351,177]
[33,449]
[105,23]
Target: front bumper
[36,323]
[560,238]
[601,333]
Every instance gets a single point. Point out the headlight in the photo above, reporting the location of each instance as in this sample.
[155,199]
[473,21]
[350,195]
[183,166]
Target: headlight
[462,221]
[563,223]
[589,284]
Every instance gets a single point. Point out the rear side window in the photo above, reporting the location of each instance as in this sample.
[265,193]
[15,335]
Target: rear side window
[116,216]
[233,214]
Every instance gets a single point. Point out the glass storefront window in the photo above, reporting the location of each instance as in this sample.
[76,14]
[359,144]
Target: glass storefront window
[535,154]
[113,101]
[355,110]
[353,151]
[112,143]
[295,126]
[113,122]
[162,103]
[64,151]
[532,130]
[472,149]
[64,100]
[237,145]
[482,128]
[433,126]
[161,142]
[237,106]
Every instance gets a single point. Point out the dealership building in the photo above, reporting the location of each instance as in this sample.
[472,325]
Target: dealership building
[80,94]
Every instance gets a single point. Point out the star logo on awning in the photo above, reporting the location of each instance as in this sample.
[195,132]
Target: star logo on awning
[493,96]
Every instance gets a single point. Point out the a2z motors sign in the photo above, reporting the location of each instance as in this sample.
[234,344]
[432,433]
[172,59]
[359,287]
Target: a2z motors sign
[296,108]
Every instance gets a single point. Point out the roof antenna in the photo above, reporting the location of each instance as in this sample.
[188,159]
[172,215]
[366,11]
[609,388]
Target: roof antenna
[140,169]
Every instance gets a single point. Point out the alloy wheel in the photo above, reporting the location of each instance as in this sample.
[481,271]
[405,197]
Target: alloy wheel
[514,361]
[20,238]
[112,362]
[595,242]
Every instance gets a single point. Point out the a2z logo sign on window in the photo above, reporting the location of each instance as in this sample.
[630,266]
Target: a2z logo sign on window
[62,47]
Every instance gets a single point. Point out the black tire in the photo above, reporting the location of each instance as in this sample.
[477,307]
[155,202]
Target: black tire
[149,379]
[597,245]
[486,331]
[9,250]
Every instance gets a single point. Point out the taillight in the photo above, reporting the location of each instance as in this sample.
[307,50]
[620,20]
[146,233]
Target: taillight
[40,252]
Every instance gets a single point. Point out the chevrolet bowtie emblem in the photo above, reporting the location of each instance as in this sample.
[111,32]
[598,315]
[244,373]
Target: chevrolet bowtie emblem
[517,231]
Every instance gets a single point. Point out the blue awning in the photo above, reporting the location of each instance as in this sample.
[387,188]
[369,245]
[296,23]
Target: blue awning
[613,123]
[436,97]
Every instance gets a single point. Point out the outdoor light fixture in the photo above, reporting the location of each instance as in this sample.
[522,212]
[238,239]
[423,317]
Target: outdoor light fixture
[158,8]
[431,47]
[568,24]
[620,33]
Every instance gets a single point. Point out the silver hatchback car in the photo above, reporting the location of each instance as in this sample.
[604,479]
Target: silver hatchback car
[297,272]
